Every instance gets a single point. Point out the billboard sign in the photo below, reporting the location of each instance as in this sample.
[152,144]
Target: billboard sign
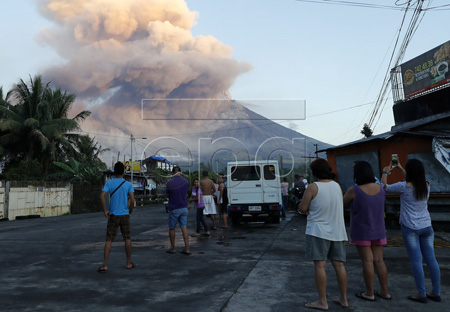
[426,71]
[136,165]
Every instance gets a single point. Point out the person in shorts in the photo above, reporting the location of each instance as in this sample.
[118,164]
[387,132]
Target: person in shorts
[223,202]
[176,192]
[118,213]
[325,232]
[366,201]
[208,189]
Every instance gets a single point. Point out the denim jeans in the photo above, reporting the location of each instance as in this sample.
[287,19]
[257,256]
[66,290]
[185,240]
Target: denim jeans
[178,216]
[200,219]
[420,245]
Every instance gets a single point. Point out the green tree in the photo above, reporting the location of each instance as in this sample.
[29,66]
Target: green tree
[37,126]
[85,167]
[78,173]
[366,131]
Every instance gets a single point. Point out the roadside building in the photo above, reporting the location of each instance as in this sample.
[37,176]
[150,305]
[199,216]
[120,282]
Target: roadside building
[421,131]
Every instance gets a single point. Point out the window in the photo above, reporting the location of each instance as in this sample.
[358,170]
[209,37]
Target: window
[269,172]
[245,173]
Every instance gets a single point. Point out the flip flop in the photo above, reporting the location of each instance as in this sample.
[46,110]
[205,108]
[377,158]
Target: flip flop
[102,270]
[171,251]
[187,253]
[382,296]
[361,296]
[132,266]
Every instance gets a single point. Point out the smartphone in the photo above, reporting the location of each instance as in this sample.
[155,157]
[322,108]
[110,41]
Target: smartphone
[394,160]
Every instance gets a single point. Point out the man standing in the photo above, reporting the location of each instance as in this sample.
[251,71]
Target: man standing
[285,196]
[325,232]
[208,189]
[299,189]
[118,214]
[176,191]
[222,201]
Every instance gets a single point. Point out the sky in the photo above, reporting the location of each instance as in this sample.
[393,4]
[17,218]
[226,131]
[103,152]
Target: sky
[332,57]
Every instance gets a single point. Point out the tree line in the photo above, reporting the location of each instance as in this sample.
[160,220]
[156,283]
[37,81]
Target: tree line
[38,139]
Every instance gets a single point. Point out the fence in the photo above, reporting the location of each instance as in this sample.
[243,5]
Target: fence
[24,199]
[19,199]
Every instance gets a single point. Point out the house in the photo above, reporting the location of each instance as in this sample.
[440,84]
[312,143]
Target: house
[421,131]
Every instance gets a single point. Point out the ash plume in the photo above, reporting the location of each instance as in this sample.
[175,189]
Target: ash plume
[119,52]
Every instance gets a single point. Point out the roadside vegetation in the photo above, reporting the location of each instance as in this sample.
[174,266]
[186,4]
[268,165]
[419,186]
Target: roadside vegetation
[38,139]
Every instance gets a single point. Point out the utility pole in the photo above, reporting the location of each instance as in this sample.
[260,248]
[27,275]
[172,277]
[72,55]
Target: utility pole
[317,155]
[132,138]
[281,165]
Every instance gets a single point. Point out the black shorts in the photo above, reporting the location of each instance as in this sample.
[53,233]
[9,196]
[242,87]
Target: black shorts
[223,208]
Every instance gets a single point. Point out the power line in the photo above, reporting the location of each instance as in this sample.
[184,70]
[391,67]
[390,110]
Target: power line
[398,7]
[406,40]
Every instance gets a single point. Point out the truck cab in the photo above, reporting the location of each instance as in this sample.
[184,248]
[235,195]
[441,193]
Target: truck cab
[254,189]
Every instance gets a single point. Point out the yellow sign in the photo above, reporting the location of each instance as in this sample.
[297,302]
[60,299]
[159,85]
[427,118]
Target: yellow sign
[136,165]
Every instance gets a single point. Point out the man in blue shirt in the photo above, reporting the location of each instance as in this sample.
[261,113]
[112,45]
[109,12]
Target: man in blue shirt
[118,213]
[176,192]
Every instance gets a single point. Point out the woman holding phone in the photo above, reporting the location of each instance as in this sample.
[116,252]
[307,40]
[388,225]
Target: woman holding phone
[415,220]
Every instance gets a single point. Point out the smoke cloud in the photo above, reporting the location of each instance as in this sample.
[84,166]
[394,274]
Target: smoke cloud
[119,52]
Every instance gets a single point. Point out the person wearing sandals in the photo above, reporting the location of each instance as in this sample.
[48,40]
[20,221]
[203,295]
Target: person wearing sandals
[367,228]
[415,221]
[325,232]
[176,191]
[118,213]
[197,198]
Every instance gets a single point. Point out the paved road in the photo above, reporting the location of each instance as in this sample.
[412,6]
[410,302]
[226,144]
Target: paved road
[50,264]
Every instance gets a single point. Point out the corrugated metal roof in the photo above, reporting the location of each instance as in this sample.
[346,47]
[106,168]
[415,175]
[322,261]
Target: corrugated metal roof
[407,128]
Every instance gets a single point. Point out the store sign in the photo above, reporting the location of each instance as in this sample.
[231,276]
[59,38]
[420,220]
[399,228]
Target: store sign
[136,165]
[426,71]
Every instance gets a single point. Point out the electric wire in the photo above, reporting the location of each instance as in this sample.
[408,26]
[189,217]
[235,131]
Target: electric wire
[407,39]
[356,4]
[415,27]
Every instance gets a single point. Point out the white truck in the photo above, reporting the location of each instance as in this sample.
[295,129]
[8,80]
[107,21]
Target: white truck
[254,188]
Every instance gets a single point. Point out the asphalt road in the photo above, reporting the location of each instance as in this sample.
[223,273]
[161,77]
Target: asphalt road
[50,264]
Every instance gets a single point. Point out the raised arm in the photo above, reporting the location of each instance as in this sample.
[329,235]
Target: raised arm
[308,196]
[349,197]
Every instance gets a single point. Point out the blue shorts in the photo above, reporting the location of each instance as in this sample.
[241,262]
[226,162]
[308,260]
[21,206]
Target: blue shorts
[178,216]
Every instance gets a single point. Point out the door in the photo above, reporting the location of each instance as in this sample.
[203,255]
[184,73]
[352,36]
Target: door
[245,185]
[271,184]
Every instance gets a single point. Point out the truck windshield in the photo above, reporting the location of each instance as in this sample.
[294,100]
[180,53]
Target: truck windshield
[245,173]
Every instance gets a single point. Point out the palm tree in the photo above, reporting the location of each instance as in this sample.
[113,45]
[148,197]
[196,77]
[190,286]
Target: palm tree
[37,126]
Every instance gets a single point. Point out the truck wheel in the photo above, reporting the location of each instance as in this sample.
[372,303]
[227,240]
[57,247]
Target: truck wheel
[274,217]
[236,219]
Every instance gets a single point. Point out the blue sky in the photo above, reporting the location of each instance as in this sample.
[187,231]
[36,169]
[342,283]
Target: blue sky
[334,57]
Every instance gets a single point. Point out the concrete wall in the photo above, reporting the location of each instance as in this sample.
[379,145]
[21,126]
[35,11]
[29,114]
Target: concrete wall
[32,200]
